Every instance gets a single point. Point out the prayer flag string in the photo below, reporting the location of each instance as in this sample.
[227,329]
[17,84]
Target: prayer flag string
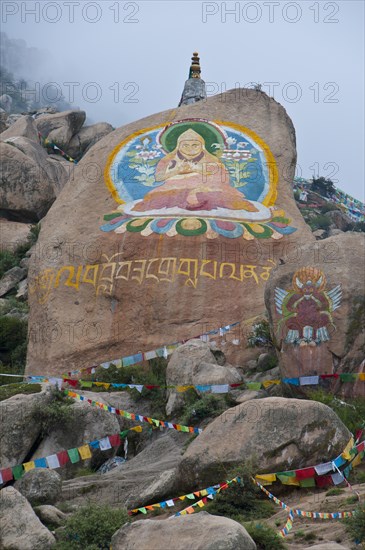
[61,458]
[300,513]
[132,416]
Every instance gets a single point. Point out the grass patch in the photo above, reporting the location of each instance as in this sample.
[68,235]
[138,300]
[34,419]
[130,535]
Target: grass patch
[319,222]
[264,536]
[334,491]
[352,414]
[308,537]
[91,528]
[351,499]
[82,472]
[14,389]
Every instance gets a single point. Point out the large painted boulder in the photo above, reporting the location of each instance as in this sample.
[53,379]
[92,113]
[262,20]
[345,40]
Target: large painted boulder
[316,309]
[169,227]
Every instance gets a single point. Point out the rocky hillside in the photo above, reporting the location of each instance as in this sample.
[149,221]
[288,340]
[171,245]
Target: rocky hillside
[208,370]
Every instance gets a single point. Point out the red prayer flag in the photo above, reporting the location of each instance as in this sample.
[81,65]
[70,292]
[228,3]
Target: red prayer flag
[63,457]
[323,481]
[72,383]
[328,376]
[7,474]
[305,473]
[115,440]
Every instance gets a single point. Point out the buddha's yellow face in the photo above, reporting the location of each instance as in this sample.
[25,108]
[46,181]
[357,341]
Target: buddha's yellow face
[190,148]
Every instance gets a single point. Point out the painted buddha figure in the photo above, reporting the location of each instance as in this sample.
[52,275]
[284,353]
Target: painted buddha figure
[193,179]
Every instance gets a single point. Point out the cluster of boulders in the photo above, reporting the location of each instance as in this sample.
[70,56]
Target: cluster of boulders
[33,170]
[334,219]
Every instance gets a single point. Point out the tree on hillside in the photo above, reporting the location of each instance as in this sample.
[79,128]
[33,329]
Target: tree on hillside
[323,186]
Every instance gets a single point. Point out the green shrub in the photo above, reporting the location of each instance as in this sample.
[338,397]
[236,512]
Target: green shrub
[7,261]
[260,335]
[13,341]
[351,412]
[91,528]
[320,222]
[356,524]
[10,259]
[207,406]
[357,226]
[241,501]
[264,536]
[328,207]
[55,413]
[151,374]
[12,303]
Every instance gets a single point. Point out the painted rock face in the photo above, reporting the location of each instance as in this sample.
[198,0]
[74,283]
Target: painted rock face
[168,228]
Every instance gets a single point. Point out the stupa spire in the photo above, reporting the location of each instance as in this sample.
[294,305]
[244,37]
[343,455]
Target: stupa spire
[194,89]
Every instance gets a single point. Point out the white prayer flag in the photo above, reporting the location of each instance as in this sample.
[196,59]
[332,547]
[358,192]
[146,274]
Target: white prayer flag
[104,444]
[308,380]
[324,468]
[223,388]
[53,461]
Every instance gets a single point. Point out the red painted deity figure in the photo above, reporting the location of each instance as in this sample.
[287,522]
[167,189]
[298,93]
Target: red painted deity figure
[307,308]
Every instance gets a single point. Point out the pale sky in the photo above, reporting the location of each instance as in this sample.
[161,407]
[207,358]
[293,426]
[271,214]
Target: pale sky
[127,60]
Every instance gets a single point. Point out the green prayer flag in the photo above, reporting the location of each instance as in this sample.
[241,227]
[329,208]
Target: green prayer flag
[191,496]
[253,386]
[85,384]
[18,471]
[143,510]
[289,474]
[348,377]
[124,434]
[309,482]
[73,455]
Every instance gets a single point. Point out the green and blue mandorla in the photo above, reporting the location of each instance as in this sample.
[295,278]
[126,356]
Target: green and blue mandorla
[195,177]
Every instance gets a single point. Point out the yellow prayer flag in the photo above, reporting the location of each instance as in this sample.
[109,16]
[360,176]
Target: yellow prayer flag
[346,452]
[268,383]
[203,492]
[183,497]
[181,389]
[28,466]
[266,479]
[84,451]
[362,376]
[200,503]
[354,463]
[287,480]
[136,429]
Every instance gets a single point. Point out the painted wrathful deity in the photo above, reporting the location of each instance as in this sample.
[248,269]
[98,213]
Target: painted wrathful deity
[307,308]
